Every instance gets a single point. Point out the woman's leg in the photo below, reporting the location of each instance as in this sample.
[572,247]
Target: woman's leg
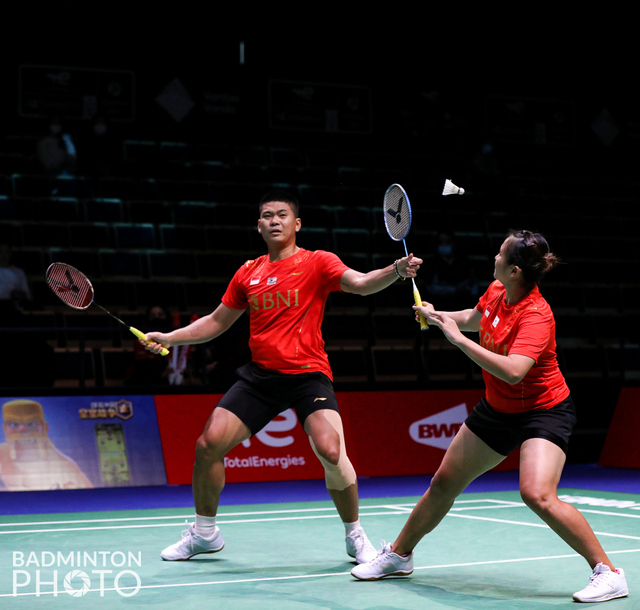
[466,459]
[541,463]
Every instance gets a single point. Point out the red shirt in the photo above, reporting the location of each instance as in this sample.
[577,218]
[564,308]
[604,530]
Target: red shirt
[286,301]
[527,328]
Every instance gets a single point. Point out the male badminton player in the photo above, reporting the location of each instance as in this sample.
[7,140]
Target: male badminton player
[285,291]
[527,404]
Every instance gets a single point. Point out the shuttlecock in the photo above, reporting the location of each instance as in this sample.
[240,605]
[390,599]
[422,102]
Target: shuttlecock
[451,189]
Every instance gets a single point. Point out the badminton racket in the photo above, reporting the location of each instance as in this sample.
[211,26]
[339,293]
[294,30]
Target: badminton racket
[397,220]
[74,289]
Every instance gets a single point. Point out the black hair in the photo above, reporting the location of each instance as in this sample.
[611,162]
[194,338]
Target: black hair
[531,253]
[285,197]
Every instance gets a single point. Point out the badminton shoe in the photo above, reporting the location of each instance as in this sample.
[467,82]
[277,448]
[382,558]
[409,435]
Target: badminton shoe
[359,547]
[385,563]
[191,544]
[603,585]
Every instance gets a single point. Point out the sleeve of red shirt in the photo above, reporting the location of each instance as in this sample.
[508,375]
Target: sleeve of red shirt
[331,267]
[534,332]
[235,296]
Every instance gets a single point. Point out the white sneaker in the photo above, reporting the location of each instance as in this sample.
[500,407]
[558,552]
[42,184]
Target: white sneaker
[358,546]
[603,585]
[385,563]
[191,544]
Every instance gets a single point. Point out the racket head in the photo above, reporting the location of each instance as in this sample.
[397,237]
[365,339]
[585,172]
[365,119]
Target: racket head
[71,286]
[397,212]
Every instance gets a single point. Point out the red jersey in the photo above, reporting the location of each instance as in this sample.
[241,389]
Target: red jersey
[527,328]
[286,302]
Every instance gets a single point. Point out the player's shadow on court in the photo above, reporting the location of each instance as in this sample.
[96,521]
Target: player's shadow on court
[483,593]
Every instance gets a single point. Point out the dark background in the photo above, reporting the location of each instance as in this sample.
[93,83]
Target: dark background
[437,89]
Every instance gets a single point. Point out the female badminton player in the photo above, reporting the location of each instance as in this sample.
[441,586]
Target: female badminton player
[527,404]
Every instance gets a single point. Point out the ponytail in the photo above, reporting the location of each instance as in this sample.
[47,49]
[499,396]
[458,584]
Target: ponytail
[531,253]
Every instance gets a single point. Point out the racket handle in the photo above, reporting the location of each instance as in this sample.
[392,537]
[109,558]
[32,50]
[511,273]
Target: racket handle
[418,301]
[142,337]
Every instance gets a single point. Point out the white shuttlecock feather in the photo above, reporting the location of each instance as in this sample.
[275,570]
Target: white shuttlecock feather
[451,189]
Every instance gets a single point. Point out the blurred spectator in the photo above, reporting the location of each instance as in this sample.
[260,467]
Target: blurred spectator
[452,281]
[56,151]
[148,368]
[14,287]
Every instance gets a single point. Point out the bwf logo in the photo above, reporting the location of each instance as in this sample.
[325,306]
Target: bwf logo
[438,430]
[40,573]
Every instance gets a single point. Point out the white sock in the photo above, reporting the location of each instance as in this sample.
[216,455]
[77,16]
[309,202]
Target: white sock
[349,528]
[205,526]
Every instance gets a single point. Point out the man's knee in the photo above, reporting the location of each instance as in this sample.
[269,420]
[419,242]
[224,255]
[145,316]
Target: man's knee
[328,447]
[208,449]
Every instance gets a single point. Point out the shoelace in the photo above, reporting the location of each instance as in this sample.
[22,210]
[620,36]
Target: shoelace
[189,531]
[596,579]
[381,553]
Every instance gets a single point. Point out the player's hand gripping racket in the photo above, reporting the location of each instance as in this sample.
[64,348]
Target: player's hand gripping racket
[73,288]
[397,219]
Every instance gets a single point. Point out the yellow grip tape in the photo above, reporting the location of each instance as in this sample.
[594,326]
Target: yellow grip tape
[418,301]
[142,337]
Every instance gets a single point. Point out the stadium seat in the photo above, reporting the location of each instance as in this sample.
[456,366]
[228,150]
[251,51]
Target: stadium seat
[184,237]
[171,264]
[444,362]
[115,363]
[348,364]
[194,213]
[120,263]
[396,363]
[74,368]
[155,212]
[91,235]
[45,235]
[103,210]
[134,235]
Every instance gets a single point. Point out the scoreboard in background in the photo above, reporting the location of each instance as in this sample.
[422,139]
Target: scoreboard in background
[76,93]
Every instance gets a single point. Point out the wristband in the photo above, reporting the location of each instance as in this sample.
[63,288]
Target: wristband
[395,268]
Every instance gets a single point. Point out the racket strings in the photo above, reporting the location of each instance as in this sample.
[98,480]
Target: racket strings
[70,285]
[397,213]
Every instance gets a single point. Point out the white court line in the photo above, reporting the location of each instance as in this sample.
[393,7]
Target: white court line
[534,525]
[604,512]
[396,509]
[305,576]
[115,520]
[363,510]
[219,522]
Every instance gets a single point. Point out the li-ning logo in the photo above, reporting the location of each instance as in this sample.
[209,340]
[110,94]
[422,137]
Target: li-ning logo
[39,573]
[438,430]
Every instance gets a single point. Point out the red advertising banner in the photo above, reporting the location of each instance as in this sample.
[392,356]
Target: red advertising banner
[403,433]
[621,445]
[386,433]
[279,452]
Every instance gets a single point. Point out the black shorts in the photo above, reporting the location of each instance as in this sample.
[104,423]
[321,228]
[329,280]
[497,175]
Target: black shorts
[260,395]
[504,432]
